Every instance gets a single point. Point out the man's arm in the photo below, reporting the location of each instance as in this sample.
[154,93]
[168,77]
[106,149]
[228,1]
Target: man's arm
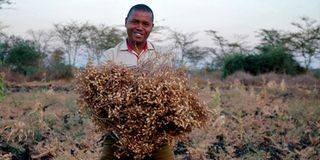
[108,150]
[165,152]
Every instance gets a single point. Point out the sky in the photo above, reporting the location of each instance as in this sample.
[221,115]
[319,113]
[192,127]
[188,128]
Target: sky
[230,18]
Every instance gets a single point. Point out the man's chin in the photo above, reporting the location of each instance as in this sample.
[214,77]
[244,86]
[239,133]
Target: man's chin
[138,41]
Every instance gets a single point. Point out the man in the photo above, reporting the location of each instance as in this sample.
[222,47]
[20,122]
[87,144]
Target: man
[133,51]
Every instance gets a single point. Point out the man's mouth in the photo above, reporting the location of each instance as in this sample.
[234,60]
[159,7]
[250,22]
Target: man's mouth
[138,34]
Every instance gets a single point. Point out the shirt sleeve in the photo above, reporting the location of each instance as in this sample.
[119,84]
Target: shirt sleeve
[107,56]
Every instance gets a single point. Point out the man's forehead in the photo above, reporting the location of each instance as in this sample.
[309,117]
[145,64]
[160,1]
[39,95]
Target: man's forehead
[135,11]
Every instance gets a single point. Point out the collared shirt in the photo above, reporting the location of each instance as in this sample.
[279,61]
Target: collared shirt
[130,48]
[124,54]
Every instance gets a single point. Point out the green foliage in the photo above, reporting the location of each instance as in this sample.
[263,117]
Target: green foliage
[271,59]
[37,135]
[316,73]
[275,55]
[4,49]
[2,94]
[58,69]
[233,63]
[24,58]
[29,70]
[275,59]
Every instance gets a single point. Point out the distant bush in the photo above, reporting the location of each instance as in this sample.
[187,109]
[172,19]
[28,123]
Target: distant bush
[60,71]
[272,59]
[277,59]
[2,94]
[24,58]
[316,73]
[234,63]
[57,68]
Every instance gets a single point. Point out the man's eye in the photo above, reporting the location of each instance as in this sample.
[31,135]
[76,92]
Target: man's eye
[134,22]
[146,24]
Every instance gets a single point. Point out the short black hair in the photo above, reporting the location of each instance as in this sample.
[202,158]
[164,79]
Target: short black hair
[140,7]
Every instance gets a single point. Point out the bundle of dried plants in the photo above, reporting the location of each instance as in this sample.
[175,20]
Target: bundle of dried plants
[146,106]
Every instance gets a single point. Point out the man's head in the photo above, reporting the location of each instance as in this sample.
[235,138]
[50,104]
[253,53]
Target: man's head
[139,23]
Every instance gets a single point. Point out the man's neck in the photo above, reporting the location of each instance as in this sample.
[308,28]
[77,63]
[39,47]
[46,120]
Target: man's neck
[137,47]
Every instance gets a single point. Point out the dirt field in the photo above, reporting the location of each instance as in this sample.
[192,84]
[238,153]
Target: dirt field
[251,119]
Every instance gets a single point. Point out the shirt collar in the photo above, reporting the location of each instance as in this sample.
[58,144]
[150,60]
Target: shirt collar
[125,47]
[130,47]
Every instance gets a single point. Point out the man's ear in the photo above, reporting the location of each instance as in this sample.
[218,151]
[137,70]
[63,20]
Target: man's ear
[125,21]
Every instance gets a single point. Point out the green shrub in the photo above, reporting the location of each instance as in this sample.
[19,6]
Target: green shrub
[2,94]
[316,73]
[23,58]
[37,136]
[272,59]
[60,71]
[233,63]
[57,68]
[29,70]
[279,60]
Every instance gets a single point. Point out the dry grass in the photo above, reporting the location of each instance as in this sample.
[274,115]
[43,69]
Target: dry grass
[45,125]
[274,120]
[270,121]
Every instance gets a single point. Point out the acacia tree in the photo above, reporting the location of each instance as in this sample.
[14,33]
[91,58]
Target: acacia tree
[4,2]
[71,36]
[185,43]
[273,39]
[4,46]
[222,48]
[195,55]
[44,40]
[159,34]
[98,39]
[305,41]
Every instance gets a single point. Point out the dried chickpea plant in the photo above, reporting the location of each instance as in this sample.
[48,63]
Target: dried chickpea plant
[146,105]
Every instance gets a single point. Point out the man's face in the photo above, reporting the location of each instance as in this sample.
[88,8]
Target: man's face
[139,25]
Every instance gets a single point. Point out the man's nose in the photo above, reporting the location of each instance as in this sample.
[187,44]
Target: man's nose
[140,26]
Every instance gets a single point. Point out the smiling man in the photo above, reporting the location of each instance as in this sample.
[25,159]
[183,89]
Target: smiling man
[139,24]
[133,51]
